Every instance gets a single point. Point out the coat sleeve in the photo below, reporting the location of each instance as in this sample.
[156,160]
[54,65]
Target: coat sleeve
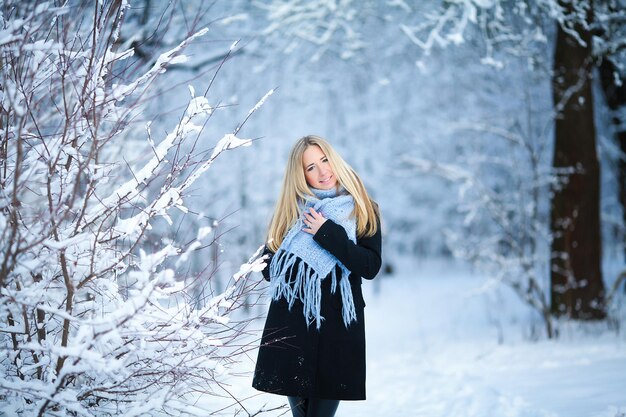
[266,270]
[362,258]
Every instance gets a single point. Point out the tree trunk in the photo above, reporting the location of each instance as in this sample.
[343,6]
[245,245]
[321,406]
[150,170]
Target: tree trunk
[615,94]
[577,288]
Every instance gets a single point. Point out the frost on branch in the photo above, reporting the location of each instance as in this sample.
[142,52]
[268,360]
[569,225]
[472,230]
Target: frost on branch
[93,320]
[518,28]
[325,24]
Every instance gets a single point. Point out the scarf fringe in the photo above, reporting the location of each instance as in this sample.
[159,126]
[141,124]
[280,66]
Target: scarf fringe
[306,286]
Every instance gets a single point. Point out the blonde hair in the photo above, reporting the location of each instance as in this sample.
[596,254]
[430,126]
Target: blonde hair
[295,189]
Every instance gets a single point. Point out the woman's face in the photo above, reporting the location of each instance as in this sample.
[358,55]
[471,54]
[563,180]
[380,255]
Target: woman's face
[317,170]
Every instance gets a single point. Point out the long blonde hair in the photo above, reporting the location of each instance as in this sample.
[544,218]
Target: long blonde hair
[295,189]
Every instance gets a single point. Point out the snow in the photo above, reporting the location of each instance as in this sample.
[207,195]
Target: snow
[204,232]
[261,102]
[233,19]
[120,92]
[253,266]
[440,345]
[449,362]
[229,141]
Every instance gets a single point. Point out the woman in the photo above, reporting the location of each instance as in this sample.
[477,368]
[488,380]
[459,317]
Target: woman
[323,238]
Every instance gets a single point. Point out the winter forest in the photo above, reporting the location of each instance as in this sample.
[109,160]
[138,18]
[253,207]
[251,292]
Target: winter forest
[142,149]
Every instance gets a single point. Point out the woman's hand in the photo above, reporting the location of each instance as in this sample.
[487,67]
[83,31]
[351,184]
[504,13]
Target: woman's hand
[313,220]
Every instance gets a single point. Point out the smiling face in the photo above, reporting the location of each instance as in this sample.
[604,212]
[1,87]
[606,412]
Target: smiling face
[317,169]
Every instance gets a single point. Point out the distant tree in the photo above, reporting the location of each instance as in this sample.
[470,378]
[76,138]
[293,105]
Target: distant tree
[577,286]
[577,289]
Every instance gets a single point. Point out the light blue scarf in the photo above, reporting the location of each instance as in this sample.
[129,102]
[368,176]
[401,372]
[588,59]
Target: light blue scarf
[305,283]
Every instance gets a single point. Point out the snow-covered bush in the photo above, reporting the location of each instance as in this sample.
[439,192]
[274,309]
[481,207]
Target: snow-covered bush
[503,178]
[92,320]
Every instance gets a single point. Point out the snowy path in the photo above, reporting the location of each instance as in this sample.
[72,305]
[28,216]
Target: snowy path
[433,351]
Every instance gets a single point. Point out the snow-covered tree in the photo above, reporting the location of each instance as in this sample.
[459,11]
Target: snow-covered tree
[502,175]
[93,321]
[577,286]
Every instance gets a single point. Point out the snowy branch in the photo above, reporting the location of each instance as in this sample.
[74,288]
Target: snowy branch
[96,319]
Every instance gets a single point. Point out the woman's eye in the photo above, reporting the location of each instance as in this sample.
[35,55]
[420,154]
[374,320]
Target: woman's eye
[325,160]
[309,169]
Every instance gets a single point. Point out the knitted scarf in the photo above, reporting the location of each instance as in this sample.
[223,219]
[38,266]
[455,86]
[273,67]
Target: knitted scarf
[316,263]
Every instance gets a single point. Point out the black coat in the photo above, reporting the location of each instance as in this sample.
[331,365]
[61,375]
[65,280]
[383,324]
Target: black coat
[329,363]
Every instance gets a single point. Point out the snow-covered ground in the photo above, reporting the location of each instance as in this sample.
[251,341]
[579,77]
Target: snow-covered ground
[439,347]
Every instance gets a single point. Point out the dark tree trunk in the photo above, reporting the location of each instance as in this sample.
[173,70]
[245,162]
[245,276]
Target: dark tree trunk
[577,288]
[615,94]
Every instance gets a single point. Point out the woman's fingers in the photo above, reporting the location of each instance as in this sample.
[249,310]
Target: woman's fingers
[314,213]
[313,220]
[308,217]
